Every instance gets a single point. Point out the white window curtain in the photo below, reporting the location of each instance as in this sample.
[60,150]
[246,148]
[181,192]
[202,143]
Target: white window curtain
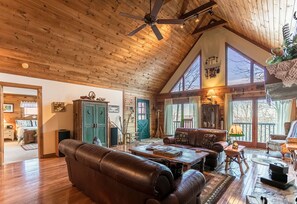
[168,124]
[228,111]
[195,110]
[28,104]
[283,111]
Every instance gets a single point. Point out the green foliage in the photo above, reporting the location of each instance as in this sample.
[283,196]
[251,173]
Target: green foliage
[289,47]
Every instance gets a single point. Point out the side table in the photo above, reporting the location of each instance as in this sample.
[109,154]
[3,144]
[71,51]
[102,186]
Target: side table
[236,155]
[292,147]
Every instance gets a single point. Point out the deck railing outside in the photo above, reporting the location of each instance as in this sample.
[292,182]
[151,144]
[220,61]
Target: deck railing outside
[264,130]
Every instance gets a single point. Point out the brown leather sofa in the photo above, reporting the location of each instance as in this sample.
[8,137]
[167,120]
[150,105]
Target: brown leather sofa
[109,176]
[195,141]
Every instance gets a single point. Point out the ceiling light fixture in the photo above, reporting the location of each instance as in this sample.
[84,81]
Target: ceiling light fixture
[182,25]
[25,65]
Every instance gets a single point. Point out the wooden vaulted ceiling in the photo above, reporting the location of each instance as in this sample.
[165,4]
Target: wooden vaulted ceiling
[86,42]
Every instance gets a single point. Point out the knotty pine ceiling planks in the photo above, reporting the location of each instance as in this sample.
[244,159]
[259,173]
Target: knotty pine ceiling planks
[85,42]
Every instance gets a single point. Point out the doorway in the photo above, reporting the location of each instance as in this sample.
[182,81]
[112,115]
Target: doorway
[21,119]
[259,120]
[143,118]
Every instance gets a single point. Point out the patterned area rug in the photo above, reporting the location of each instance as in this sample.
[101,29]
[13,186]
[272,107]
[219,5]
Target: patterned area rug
[31,146]
[275,195]
[216,185]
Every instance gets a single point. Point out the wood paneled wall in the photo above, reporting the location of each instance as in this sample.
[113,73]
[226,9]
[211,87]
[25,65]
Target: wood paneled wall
[16,99]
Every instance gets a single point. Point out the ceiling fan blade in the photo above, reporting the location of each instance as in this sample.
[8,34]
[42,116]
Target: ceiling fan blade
[157,6]
[157,32]
[137,30]
[170,21]
[131,16]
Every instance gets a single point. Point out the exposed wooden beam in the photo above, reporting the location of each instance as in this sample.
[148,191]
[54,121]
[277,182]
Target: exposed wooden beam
[200,9]
[201,21]
[210,26]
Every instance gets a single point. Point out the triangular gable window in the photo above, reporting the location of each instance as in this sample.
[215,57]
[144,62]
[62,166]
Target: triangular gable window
[191,78]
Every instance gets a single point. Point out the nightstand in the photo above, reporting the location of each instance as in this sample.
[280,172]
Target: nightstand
[9,134]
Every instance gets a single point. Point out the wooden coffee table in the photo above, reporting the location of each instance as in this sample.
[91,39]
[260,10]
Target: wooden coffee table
[189,157]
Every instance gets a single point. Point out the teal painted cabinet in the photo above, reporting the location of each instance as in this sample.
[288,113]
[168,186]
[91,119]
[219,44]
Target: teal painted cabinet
[90,121]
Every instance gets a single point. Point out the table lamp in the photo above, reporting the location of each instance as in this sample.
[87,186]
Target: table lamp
[235,131]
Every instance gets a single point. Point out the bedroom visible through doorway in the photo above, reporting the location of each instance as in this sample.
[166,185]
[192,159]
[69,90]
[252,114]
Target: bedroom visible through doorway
[20,119]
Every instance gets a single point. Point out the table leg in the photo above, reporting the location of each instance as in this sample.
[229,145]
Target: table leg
[244,160]
[239,162]
[227,163]
[294,158]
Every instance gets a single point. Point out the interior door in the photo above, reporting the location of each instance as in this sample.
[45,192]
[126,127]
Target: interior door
[89,111]
[143,118]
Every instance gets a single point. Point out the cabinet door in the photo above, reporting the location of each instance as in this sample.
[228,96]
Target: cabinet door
[89,112]
[101,123]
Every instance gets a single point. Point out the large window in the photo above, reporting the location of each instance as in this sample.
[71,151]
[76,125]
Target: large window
[241,69]
[191,78]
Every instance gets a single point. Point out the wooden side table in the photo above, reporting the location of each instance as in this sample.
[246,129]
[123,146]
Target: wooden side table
[9,134]
[292,147]
[236,155]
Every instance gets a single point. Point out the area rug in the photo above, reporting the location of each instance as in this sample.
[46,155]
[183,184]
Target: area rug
[275,195]
[31,146]
[216,185]
[266,161]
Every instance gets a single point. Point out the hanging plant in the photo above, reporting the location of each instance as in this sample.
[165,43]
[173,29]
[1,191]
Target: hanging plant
[288,50]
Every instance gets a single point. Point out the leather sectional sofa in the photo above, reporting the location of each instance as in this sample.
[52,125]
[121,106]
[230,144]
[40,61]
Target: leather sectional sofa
[199,139]
[109,176]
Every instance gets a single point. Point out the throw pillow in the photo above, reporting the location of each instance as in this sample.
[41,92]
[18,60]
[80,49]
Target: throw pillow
[181,138]
[208,140]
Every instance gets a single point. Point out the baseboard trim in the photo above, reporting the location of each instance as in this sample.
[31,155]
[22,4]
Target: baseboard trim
[52,155]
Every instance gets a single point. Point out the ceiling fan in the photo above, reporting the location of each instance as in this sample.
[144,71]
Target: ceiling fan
[151,20]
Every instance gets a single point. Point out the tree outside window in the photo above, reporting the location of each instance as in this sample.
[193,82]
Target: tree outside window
[241,69]
[191,78]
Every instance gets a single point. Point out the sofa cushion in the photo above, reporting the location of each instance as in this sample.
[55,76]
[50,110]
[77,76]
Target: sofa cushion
[181,138]
[208,140]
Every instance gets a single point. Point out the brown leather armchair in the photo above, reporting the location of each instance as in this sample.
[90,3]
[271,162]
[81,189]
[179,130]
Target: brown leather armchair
[109,176]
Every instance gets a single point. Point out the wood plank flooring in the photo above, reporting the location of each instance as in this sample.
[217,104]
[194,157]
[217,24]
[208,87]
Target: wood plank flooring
[46,181]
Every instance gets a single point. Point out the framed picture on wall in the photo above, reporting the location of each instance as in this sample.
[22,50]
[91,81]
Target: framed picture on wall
[58,107]
[113,109]
[8,107]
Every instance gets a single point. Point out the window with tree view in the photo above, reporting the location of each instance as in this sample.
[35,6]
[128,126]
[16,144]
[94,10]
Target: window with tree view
[191,78]
[241,69]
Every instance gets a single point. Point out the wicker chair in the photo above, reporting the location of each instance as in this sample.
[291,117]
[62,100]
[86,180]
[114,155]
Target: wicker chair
[277,142]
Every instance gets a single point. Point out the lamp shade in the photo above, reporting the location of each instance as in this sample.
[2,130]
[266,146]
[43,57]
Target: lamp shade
[235,131]
[211,93]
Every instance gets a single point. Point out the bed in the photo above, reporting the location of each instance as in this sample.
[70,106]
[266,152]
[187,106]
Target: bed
[25,128]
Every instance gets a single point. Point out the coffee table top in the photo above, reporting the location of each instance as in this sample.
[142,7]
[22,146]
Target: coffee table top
[189,157]
[230,149]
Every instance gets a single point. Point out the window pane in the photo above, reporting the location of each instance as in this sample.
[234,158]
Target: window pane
[238,68]
[242,115]
[178,87]
[30,111]
[192,75]
[258,73]
[267,119]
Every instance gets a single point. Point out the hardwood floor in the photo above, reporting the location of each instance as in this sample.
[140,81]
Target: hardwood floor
[46,181]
